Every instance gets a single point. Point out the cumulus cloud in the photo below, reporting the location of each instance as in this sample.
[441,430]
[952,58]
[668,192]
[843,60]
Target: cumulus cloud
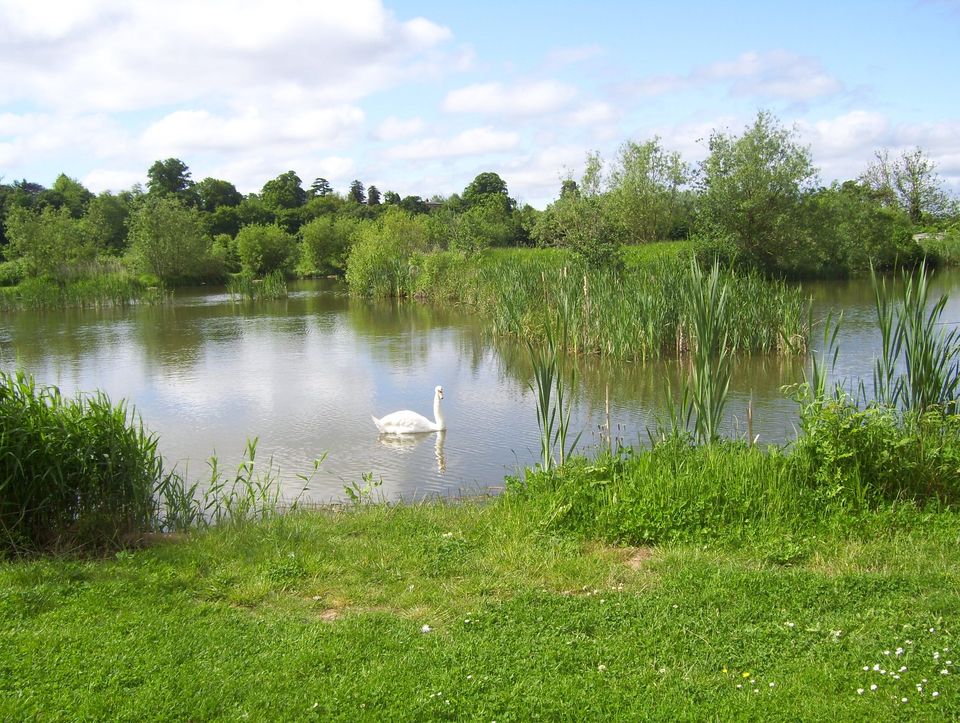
[395,129]
[474,141]
[522,99]
[777,74]
[132,56]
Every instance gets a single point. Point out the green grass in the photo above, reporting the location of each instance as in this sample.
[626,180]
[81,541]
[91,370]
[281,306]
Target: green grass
[320,615]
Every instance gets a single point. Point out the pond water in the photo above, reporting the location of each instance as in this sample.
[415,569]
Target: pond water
[303,375]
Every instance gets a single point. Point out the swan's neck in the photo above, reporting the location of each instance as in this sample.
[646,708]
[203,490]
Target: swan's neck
[438,413]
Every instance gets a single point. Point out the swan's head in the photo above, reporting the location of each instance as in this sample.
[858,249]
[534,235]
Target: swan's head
[439,392]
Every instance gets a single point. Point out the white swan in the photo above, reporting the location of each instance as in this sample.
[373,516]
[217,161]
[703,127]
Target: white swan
[407,422]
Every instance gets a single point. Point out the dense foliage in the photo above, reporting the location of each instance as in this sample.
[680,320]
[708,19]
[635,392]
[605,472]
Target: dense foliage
[754,201]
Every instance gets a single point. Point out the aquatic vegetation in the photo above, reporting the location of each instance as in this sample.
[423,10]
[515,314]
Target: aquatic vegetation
[245,287]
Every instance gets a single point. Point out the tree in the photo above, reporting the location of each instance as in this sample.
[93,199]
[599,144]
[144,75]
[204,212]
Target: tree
[646,190]
[752,190]
[169,177]
[582,221]
[264,248]
[326,244]
[49,242]
[283,192]
[71,194]
[168,239]
[569,187]
[910,182]
[320,187]
[373,196]
[414,205]
[392,198]
[356,193]
[484,186]
[106,220]
[485,224]
[214,193]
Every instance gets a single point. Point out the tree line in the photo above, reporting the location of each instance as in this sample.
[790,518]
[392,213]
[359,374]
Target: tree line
[755,199]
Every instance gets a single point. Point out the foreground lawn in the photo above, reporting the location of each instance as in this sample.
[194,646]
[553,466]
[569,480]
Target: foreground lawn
[471,611]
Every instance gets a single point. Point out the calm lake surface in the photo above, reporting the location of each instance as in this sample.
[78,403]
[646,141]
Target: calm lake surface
[303,375]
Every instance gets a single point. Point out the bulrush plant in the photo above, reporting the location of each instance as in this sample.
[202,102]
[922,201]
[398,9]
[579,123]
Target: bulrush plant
[245,287]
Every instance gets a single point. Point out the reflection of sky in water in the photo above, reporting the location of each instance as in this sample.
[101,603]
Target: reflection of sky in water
[304,376]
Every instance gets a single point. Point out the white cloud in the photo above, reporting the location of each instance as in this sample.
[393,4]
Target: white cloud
[141,55]
[474,141]
[186,132]
[395,129]
[533,98]
[560,57]
[106,179]
[777,74]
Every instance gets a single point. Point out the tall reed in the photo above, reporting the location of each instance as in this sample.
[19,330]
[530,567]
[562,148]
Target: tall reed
[912,334]
[710,362]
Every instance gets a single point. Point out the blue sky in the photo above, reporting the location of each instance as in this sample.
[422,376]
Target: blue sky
[419,97]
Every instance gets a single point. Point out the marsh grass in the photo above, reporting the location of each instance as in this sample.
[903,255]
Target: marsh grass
[638,313]
[245,287]
[97,290]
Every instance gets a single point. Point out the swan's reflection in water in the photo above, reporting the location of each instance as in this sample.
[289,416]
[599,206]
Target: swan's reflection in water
[407,443]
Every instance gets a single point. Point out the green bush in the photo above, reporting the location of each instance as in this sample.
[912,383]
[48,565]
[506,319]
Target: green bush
[73,472]
[380,260]
[263,248]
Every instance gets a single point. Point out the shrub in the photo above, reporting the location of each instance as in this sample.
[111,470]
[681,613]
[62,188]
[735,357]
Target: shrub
[263,248]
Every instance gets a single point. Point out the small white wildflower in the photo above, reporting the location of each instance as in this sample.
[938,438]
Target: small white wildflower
[886,652]
[773,685]
[752,681]
[866,667]
[837,633]
[949,662]
[675,607]
[908,642]
[469,677]
[859,691]
[876,666]
[932,630]
[601,667]
[935,694]
[946,650]
[899,651]
[936,655]
[903,700]
[896,677]
[883,672]
[944,672]
[756,690]
[791,625]
[873,686]
[902,669]
[739,686]
[448,534]
[426,629]
[924,680]
[602,601]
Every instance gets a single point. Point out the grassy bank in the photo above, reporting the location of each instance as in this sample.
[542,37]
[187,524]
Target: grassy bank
[321,616]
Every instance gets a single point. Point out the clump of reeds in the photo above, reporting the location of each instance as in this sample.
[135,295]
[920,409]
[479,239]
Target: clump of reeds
[73,472]
[912,334]
[245,286]
[97,290]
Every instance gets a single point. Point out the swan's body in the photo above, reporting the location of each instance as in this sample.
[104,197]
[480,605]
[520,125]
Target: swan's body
[407,422]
